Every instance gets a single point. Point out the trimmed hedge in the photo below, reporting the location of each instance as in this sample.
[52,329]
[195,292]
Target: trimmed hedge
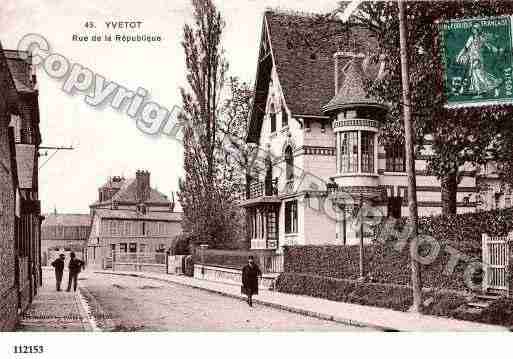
[386,264]
[379,295]
[396,297]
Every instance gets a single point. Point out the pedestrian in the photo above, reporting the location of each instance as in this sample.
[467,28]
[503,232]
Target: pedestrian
[250,274]
[75,265]
[58,264]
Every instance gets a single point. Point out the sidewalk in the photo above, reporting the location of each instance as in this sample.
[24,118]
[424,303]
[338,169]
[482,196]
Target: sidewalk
[53,311]
[346,313]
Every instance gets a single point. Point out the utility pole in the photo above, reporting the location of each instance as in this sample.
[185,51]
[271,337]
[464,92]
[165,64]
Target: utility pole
[410,158]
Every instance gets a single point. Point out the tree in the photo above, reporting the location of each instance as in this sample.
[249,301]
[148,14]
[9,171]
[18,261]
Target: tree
[235,152]
[215,114]
[459,136]
[206,203]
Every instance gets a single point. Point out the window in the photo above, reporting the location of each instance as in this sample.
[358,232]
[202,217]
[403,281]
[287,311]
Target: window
[112,247]
[127,228]
[367,152]
[284,117]
[132,247]
[112,227]
[122,247]
[291,217]
[141,208]
[349,152]
[507,202]
[272,116]
[142,247]
[395,157]
[289,164]
[272,226]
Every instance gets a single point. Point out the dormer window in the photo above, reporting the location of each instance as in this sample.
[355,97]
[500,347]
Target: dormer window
[272,116]
[289,164]
[284,117]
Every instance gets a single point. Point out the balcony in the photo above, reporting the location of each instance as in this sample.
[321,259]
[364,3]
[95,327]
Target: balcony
[261,192]
[257,189]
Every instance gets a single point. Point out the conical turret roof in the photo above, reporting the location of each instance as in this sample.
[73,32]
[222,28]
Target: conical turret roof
[352,93]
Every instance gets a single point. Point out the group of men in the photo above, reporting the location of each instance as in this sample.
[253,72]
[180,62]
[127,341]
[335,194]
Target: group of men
[75,265]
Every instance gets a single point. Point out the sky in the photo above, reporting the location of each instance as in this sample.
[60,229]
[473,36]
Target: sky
[107,142]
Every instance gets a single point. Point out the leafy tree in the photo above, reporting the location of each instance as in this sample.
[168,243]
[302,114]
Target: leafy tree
[215,109]
[459,136]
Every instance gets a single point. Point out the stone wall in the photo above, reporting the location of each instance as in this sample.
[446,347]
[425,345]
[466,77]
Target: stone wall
[230,276]
[140,267]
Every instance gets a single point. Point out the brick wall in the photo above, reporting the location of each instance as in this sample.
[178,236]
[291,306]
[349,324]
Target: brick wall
[8,292]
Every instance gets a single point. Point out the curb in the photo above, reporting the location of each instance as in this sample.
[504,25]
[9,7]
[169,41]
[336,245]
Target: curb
[308,313]
[88,321]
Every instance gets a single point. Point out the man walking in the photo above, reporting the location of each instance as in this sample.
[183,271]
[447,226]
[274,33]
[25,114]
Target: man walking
[250,274]
[58,264]
[75,265]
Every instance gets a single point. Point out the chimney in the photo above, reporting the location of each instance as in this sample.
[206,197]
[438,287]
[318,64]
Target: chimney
[142,180]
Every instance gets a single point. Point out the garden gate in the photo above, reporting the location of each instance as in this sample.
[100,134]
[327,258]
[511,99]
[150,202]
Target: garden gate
[495,263]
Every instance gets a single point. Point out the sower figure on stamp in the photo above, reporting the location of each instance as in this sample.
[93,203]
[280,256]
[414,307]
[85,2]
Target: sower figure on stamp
[250,274]
[58,264]
[75,265]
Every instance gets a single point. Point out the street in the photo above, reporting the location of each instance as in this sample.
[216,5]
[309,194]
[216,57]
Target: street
[121,303]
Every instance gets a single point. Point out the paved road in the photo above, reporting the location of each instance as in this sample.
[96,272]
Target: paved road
[135,304]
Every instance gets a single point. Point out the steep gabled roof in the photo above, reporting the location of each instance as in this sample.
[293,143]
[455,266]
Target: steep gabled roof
[302,49]
[127,193]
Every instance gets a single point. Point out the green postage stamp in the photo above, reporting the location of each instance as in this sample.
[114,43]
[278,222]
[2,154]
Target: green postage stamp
[478,61]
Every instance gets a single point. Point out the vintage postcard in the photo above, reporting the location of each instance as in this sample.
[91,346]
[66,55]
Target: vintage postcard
[248,166]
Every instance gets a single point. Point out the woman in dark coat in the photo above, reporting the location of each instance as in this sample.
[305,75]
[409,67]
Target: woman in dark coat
[250,274]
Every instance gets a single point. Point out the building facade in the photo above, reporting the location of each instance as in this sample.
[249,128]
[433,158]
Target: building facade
[317,132]
[20,272]
[130,216]
[27,136]
[64,233]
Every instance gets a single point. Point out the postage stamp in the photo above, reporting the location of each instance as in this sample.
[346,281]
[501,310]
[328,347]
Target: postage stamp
[477,57]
